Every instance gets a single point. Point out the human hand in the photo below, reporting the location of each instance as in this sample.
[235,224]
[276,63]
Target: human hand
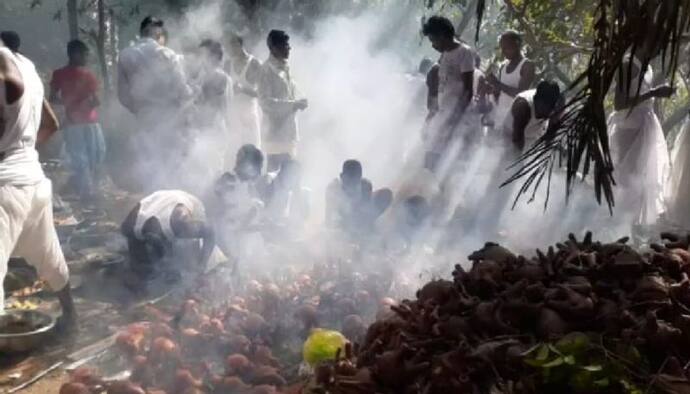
[492,80]
[302,104]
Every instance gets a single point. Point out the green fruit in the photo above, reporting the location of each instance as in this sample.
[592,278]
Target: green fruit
[322,345]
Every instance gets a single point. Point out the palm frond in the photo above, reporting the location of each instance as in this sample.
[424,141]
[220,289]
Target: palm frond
[579,139]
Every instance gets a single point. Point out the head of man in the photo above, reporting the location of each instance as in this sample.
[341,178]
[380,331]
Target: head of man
[235,44]
[77,53]
[441,33]
[249,162]
[11,40]
[351,175]
[279,44]
[511,44]
[211,51]
[546,99]
[152,27]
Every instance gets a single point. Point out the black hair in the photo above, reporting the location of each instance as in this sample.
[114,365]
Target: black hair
[513,36]
[352,167]
[251,154]
[439,26]
[214,47]
[11,40]
[148,23]
[549,91]
[76,47]
[277,38]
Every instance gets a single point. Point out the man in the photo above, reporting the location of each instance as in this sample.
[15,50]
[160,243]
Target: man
[455,84]
[26,212]
[530,114]
[351,202]
[249,163]
[152,86]
[216,87]
[279,103]
[11,40]
[244,70]
[237,219]
[76,87]
[211,114]
[516,75]
[157,228]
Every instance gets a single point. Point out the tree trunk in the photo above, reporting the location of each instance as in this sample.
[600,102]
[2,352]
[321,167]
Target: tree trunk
[101,38]
[72,19]
[467,15]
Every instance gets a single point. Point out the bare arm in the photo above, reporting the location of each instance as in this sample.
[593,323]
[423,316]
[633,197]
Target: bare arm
[521,114]
[623,98]
[11,84]
[49,123]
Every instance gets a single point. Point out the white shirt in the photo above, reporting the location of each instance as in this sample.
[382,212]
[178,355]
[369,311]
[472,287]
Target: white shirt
[20,122]
[153,74]
[535,127]
[161,204]
[452,65]
[277,97]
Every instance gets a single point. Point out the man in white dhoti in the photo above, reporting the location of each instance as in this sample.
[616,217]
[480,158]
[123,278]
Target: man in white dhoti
[26,209]
[279,102]
[455,89]
[152,85]
[163,232]
[516,74]
[638,146]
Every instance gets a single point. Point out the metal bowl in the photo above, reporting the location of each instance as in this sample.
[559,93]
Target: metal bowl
[23,331]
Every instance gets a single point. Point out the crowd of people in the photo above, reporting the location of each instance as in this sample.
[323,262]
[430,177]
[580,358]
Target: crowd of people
[250,109]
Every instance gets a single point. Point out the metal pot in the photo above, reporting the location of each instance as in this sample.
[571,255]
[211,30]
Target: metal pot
[23,331]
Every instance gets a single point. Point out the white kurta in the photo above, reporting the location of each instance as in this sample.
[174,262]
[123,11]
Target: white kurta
[26,210]
[640,156]
[277,98]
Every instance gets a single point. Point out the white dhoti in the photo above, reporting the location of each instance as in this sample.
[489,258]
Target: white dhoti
[678,194]
[641,160]
[27,231]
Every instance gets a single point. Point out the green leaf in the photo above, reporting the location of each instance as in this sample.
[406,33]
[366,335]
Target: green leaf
[575,342]
[543,353]
[569,360]
[554,363]
[604,382]
[593,368]
[534,363]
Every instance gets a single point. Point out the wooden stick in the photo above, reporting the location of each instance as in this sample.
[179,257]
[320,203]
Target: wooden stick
[36,378]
